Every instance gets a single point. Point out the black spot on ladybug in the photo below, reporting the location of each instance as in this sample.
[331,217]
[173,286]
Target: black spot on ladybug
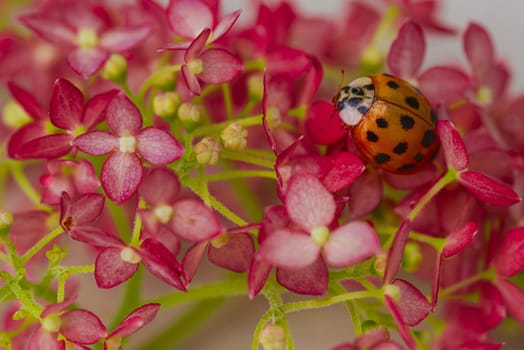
[433,117]
[401,148]
[418,157]
[382,123]
[382,158]
[345,89]
[357,91]
[429,138]
[354,101]
[362,109]
[371,136]
[393,84]
[369,87]
[341,105]
[406,167]
[412,102]
[407,122]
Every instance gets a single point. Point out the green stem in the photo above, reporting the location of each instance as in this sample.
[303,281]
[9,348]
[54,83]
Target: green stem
[228,105]
[435,242]
[356,319]
[319,303]
[154,77]
[240,174]
[209,129]
[131,297]
[246,158]
[487,274]
[120,220]
[40,244]
[25,185]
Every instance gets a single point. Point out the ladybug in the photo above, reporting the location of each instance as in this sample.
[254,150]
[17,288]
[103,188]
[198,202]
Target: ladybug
[391,121]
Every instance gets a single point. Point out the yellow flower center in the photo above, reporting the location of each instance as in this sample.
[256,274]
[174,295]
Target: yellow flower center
[87,38]
[163,213]
[320,235]
[130,256]
[196,66]
[127,144]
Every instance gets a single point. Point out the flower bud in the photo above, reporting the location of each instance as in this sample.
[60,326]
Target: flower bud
[14,115]
[6,220]
[255,86]
[115,69]
[188,112]
[207,151]
[234,137]
[412,257]
[272,337]
[52,323]
[165,105]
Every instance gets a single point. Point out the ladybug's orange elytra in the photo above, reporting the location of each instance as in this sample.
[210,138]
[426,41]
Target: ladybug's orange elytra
[392,123]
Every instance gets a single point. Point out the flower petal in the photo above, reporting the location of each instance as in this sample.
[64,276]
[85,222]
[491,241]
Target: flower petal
[49,28]
[225,25]
[87,62]
[479,49]
[459,239]
[111,270]
[220,66]
[124,38]
[143,314]
[42,339]
[95,108]
[161,263]
[165,194]
[27,101]
[488,190]
[257,275]
[188,18]
[67,105]
[95,237]
[289,249]
[406,53]
[396,251]
[412,304]
[235,255]
[197,45]
[346,168]
[351,244]
[87,208]
[123,117]
[308,203]
[121,175]
[158,147]
[96,142]
[191,80]
[443,85]
[510,256]
[49,146]
[82,327]
[323,124]
[513,297]
[453,145]
[309,280]
[193,221]
[401,325]
[192,259]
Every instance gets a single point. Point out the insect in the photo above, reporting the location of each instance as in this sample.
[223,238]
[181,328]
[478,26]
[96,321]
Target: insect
[392,123]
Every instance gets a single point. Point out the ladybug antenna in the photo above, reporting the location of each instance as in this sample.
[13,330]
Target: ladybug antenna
[341,81]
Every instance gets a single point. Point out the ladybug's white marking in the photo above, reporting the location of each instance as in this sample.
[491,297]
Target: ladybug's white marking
[355,99]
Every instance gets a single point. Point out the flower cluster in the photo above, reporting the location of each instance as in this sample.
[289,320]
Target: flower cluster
[142,140]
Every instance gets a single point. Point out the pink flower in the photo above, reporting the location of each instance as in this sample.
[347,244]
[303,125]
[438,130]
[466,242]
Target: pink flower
[374,339]
[87,30]
[212,66]
[123,171]
[117,261]
[312,209]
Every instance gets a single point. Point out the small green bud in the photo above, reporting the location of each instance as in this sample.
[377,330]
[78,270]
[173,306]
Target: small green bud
[165,105]
[189,113]
[6,220]
[115,69]
[255,86]
[207,151]
[234,137]
[87,38]
[272,337]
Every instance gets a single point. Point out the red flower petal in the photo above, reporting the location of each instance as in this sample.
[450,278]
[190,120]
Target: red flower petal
[220,66]
[188,18]
[288,61]
[161,263]
[257,275]
[225,24]
[453,145]
[191,80]
[121,175]
[443,85]
[412,305]
[406,53]
[510,256]
[95,108]
[401,325]
[309,280]
[289,249]
[513,297]
[193,221]
[124,38]
[365,194]
[87,208]
[67,105]
[95,237]
[492,305]
[49,146]
[396,251]
[488,190]
[479,48]
[123,117]
[111,270]
[235,255]
[82,327]
[192,259]
[459,239]
[87,62]
[197,45]
[23,135]
[308,203]
[143,314]
[324,126]
[41,339]
[27,101]
[49,29]
[347,167]
[351,244]
[165,194]
[96,142]
[157,146]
